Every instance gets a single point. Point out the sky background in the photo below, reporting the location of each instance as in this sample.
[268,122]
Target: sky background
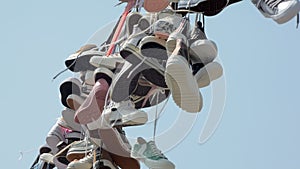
[260,125]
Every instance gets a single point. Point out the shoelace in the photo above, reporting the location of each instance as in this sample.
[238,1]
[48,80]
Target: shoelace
[271,3]
[155,150]
[154,91]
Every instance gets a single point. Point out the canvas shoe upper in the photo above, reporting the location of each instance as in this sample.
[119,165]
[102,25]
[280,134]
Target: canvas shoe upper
[132,41]
[79,61]
[280,11]
[119,114]
[109,62]
[91,108]
[47,157]
[78,148]
[155,55]
[131,20]
[124,114]
[208,73]
[179,77]
[162,28]
[67,87]
[84,163]
[201,50]
[148,153]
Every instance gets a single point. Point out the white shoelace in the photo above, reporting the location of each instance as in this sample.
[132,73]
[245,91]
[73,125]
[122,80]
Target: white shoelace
[155,150]
[271,3]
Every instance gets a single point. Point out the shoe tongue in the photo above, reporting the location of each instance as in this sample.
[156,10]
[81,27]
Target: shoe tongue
[141,140]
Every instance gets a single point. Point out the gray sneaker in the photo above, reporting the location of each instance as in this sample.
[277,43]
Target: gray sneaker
[148,153]
[281,11]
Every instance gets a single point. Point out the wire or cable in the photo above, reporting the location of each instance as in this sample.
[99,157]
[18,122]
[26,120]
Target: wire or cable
[23,152]
[156,118]
[297,21]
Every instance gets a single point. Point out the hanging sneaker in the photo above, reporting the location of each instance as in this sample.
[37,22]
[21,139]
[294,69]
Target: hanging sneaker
[119,114]
[69,86]
[155,55]
[208,73]
[281,11]
[201,49]
[110,62]
[126,80]
[79,61]
[206,7]
[91,109]
[147,94]
[130,46]
[124,114]
[79,149]
[180,80]
[152,157]
[84,163]
[131,20]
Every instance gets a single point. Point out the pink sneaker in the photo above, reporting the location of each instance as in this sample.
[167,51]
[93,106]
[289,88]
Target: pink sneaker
[92,107]
[155,5]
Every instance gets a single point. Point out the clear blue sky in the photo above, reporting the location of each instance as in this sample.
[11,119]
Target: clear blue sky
[260,125]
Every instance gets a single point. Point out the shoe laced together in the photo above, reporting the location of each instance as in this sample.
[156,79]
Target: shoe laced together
[271,7]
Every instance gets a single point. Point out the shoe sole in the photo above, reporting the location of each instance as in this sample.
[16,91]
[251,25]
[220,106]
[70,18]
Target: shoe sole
[135,57]
[183,85]
[131,20]
[153,48]
[288,14]
[126,80]
[203,51]
[159,164]
[140,118]
[207,74]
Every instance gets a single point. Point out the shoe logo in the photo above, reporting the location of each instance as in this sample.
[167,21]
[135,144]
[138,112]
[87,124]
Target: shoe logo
[165,27]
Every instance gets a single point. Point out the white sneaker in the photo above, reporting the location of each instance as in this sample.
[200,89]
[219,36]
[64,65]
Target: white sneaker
[124,114]
[183,85]
[108,62]
[148,153]
[201,49]
[119,114]
[281,11]
[208,73]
